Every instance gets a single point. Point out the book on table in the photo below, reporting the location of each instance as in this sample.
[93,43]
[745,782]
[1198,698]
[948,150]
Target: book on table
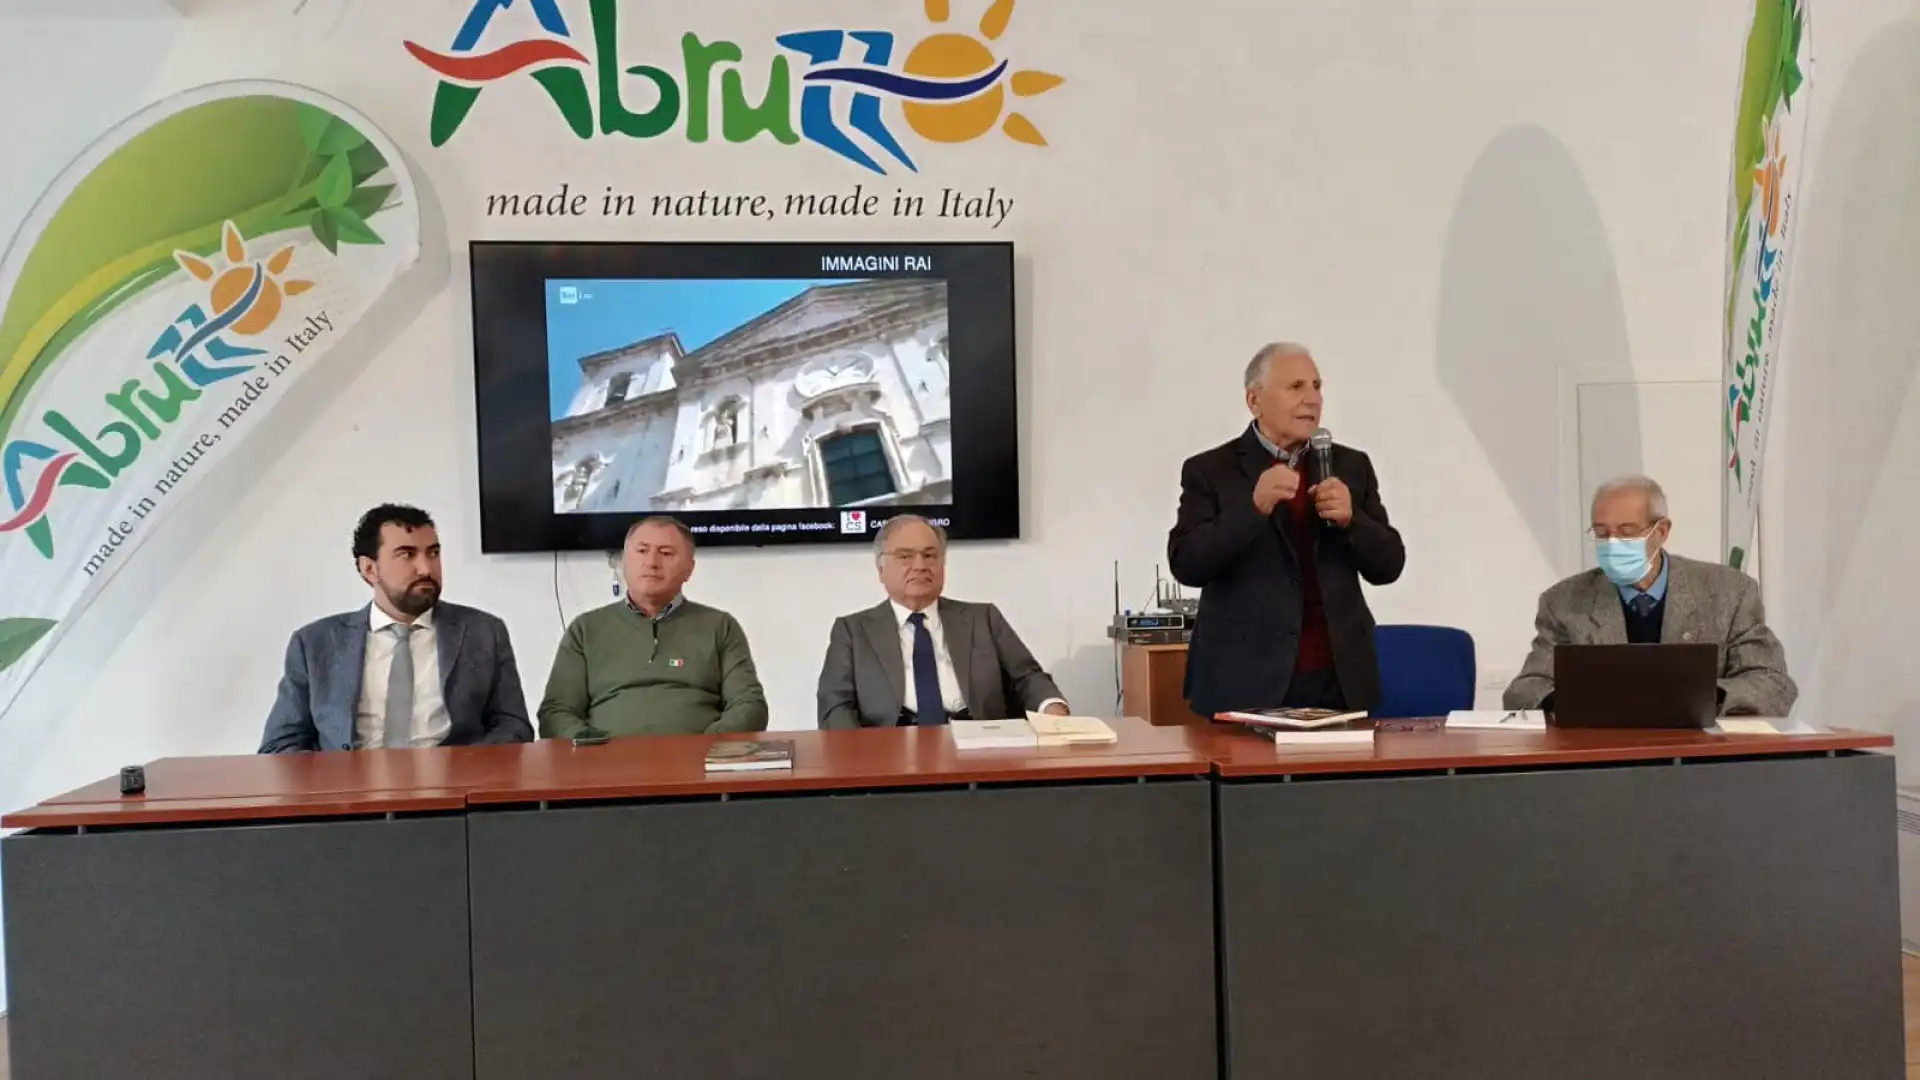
[750,756]
[1038,729]
[1051,730]
[992,734]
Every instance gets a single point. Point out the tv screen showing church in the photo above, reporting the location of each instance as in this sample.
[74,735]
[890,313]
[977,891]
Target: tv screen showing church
[705,394]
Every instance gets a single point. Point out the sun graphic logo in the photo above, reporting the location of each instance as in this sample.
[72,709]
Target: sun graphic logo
[962,59]
[247,296]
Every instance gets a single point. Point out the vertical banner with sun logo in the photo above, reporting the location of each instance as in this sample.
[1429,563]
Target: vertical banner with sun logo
[1769,146]
[157,301]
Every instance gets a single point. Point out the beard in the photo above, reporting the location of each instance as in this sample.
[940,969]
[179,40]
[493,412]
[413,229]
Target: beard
[417,599]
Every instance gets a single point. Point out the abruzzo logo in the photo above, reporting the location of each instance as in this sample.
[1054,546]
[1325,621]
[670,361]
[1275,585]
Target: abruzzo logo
[155,305]
[190,355]
[951,87]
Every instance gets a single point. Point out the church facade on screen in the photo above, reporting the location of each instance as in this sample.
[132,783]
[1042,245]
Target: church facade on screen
[837,397]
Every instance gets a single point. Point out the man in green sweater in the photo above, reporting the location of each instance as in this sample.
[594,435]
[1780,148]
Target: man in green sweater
[654,663]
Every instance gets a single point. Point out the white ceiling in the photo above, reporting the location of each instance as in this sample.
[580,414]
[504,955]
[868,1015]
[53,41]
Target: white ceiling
[91,9]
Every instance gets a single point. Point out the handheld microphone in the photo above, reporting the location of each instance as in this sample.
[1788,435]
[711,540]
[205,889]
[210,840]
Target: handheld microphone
[1321,443]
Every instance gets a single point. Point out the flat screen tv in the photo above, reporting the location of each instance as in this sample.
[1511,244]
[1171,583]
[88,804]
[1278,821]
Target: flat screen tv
[762,393]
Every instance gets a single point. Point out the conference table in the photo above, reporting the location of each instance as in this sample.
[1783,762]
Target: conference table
[1189,902]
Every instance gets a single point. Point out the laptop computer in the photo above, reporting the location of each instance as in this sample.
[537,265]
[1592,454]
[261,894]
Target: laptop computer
[1669,685]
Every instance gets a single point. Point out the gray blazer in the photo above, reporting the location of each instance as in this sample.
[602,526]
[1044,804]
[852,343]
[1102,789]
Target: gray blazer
[1705,602]
[864,680]
[321,688]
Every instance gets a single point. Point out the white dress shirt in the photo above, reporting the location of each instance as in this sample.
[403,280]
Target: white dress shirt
[431,723]
[953,697]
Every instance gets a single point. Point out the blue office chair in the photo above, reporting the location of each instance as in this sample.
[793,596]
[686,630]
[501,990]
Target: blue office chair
[1424,670]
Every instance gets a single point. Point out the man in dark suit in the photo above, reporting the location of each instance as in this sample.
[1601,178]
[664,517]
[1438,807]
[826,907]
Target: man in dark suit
[408,669]
[1279,558]
[920,658]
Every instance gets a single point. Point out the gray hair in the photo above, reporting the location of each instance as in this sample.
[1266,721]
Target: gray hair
[892,523]
[1656,498]
[1262,360]
[686,534]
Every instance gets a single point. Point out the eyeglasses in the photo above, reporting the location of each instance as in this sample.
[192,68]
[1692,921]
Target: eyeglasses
[1625,532]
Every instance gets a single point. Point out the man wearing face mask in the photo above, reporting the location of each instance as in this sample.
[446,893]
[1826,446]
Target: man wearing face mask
[1641,594]
[407,670]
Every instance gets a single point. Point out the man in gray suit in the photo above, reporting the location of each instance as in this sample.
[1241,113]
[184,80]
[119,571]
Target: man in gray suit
[1642,594]
[407,670]
[919,647]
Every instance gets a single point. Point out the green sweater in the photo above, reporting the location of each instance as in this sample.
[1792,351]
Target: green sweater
[684,673]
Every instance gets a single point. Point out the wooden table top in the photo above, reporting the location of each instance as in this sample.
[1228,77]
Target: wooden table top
[553,770]
[1238,753]
[138,810]
[281,786]
[380,781]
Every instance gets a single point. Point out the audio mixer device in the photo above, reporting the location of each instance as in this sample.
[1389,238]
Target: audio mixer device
[1168,620]
[1151,628]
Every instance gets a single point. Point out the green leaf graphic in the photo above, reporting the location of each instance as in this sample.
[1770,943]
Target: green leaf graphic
[335,183]
[313,125]
[353,228]
[340,138]
[366,160]
[369,201]
[326,231]
[18,635]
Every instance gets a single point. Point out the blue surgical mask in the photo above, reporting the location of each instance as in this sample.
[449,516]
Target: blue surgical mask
[1624,562]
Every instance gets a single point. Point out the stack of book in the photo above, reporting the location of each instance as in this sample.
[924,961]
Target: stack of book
[755,756]
[1304,727]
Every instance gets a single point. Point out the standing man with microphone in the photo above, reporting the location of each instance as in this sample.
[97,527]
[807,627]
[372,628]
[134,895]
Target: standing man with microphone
[1279,557]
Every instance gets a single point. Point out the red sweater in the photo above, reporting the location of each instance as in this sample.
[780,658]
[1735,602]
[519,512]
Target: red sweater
[1303,529]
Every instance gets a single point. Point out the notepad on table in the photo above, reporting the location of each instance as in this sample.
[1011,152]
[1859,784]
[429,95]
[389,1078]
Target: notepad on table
[1298,740]
[1758,725]
[992,734]
[1050,730]
[1497,720]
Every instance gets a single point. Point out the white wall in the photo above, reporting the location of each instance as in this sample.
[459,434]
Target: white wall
[1465,208]
[1839,539]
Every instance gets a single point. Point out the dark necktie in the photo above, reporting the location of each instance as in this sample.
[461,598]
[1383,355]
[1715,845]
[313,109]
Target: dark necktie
[1642,604]
[926,675]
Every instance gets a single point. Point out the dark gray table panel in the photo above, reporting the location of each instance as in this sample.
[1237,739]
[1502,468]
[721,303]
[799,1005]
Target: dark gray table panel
[321,951]
[1729,921]
[1062,932]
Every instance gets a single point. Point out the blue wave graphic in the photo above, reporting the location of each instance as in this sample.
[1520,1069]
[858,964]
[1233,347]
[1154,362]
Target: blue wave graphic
[908,86]
[230,316]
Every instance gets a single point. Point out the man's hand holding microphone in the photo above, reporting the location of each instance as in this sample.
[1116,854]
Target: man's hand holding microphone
[1331,499]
